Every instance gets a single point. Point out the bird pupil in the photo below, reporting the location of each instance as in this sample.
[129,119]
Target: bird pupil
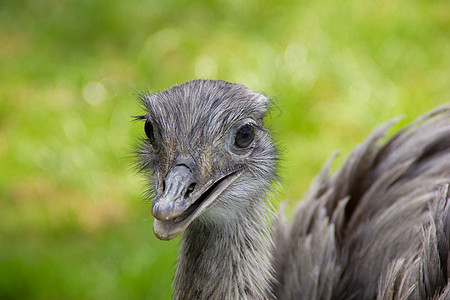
[244,136]
[148,128]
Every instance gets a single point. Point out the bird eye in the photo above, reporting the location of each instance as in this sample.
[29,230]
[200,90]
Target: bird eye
[244,136]
[148,128]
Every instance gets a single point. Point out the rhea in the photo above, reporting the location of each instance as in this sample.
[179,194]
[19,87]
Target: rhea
[378,228]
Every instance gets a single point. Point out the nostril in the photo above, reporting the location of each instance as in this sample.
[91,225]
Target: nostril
[189,190]
[163,186]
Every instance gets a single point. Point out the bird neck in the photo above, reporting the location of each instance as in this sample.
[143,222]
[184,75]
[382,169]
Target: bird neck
[231,260]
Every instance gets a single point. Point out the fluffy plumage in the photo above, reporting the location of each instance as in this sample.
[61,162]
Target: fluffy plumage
[377,229]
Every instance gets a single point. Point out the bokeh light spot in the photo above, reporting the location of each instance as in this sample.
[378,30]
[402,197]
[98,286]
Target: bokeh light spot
[94,93]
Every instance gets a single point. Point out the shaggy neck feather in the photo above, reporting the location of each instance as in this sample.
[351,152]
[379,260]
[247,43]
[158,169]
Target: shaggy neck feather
[226,261]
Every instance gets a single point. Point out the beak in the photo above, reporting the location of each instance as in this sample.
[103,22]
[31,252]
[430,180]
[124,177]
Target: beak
[177,186]
[182,200]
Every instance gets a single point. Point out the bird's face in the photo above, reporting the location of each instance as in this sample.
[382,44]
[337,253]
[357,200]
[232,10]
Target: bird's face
[207,153]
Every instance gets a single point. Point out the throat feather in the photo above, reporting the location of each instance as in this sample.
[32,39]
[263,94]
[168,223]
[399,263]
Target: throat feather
[225,262]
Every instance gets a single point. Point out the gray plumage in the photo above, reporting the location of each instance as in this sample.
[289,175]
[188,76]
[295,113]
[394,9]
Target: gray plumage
[377,229]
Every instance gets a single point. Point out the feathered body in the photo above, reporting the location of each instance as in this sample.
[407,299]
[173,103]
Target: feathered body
[377,229]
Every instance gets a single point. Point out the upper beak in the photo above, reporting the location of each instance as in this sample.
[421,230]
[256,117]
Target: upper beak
[178,184]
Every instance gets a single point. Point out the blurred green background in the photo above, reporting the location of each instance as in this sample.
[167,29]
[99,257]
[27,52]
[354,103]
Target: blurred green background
[73,224]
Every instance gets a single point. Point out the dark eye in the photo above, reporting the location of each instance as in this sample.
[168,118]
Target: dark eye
[244,136]
[149,131]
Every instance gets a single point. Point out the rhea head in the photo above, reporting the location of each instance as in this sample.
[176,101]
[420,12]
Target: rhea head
[208,155]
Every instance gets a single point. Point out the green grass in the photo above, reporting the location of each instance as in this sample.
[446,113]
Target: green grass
[73,224]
